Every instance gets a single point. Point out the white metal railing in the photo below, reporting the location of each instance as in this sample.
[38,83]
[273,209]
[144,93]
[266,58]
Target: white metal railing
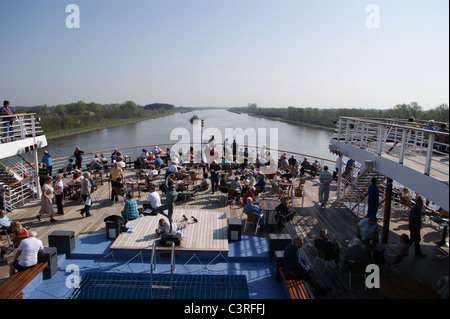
[399,140]
[133,153]
[19,126]
[18,193]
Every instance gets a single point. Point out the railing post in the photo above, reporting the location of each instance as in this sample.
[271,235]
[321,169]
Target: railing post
[403,146]
[387,211]
[429,154]
[380,139]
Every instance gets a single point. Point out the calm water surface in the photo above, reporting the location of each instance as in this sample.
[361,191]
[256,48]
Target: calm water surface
[303,140]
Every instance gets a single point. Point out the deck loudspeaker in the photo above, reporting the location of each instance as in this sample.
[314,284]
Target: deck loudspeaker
[370,164]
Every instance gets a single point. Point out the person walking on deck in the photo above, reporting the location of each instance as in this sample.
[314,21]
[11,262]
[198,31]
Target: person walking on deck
[325,179]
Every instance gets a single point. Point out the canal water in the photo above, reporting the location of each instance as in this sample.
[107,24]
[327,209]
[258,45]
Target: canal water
[271,133]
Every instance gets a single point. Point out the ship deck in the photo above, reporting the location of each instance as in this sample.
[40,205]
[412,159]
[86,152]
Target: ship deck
[212,211]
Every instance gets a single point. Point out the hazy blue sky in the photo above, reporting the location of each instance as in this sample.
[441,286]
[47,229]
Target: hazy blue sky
[276,53]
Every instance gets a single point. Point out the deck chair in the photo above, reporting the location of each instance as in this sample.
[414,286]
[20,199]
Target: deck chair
[279,192]
[396,259]
[299,191]
[251,218]
[231,194]
[119,193]
[285,219]
[10,247]
[322,257]
[356,268]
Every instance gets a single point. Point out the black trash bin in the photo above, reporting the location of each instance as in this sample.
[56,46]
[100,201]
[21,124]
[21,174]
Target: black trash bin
[112,230]
[234,229]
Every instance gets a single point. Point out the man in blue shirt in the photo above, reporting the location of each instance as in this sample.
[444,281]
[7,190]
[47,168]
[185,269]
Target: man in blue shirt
[158,162]
[250,207]
[47,160]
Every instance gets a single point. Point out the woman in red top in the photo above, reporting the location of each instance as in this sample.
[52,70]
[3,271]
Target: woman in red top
[18,230]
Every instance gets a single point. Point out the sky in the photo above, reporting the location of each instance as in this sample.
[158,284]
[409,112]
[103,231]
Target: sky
[226,53]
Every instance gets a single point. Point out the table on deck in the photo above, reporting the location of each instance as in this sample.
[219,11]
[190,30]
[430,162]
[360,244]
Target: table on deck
[73,187]
[401,287]
[96,175]
[133,182]
[290,187]
[268,207]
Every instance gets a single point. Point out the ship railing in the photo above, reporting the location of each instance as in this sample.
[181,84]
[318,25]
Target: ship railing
[18,193]
[133,152]
[18,181]
[397,140]
[20,126]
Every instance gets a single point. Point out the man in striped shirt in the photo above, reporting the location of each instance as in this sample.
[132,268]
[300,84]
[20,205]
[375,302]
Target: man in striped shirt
[325,179]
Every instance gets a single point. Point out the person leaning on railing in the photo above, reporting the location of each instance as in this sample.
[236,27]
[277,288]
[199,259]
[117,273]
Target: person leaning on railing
[7,121]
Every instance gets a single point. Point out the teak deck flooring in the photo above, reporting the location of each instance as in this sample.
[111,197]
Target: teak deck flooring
[212,211]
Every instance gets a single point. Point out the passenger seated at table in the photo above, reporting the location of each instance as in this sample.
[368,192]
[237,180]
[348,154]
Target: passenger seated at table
[158,162]
[236,185]
[153,201]
[295,265]
[367,229]
[261,183]
[282,212]
[120,162]
[276,178]
[118,183]
[77,173]
[204,184]
[406,197]
[331,249]
[251,179]
[248,194]
[253,208]
[95,163]
[71,166]
[150,157]
[223,184]
[388,253]
[130,211]
[315,168]
[152,173]
[304,166]
[356,253]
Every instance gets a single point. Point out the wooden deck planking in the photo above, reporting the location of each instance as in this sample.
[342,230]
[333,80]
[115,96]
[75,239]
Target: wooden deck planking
[307,223]
[206,235]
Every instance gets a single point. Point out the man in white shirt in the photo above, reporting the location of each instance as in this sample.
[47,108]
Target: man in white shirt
[153,201]
[27,253]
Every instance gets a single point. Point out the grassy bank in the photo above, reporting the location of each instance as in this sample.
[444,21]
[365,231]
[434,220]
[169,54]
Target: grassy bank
[104,123]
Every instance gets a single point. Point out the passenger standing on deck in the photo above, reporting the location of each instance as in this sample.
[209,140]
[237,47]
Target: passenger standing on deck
[86,194]
[47,160]
[46,200]
[7,122]
[58,186]
[373,198]
[325,179]
[214,170]
[415,224]
[115,173]
[78,159]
